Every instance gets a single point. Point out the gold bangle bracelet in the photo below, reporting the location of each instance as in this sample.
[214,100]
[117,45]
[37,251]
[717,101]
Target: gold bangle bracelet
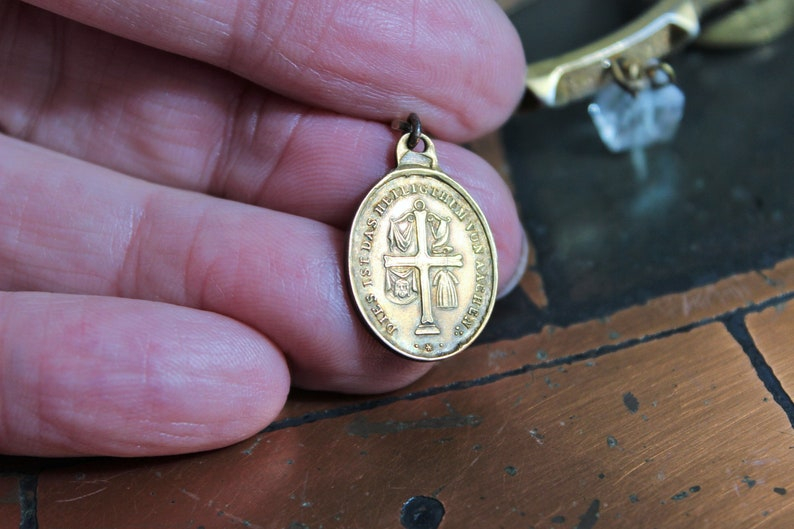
[665,28]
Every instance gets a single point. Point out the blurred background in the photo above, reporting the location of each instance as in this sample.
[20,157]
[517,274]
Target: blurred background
[614,230]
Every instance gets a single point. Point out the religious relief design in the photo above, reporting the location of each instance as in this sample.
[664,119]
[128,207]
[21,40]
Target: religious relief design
[421,265]
[402,282]
[421,261]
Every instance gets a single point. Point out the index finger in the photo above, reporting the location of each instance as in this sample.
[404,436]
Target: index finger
[458,63]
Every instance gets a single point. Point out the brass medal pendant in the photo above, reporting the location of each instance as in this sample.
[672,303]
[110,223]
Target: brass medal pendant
[421,258]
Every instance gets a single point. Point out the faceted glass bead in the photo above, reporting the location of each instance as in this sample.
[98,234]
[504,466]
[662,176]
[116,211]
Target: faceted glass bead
[626,122]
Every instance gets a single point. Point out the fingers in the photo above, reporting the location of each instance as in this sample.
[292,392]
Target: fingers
[177,122]
[180,123]
[100,376]
[457,63]
[68,226]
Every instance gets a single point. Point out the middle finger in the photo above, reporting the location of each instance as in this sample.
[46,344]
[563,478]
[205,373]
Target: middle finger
[71,227]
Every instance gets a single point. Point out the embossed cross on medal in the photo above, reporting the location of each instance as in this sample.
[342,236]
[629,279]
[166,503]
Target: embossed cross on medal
[421,257]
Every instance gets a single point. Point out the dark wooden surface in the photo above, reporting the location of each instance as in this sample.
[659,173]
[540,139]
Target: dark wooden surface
[663,415]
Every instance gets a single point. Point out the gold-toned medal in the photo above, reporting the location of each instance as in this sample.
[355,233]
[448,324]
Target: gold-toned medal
[421,257]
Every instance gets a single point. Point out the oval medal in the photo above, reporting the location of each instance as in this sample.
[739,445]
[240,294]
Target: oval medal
[421,259]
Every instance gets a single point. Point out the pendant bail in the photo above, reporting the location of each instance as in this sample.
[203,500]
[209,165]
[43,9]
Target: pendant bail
[407,156]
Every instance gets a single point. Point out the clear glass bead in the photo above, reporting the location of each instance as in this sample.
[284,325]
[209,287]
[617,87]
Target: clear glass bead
[625,121]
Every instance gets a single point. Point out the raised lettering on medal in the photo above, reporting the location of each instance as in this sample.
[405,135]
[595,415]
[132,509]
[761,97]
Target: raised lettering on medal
[422,261]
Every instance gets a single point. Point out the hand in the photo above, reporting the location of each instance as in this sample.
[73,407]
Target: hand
[176,182]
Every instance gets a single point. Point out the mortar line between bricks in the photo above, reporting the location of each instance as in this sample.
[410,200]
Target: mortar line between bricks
[737,327]
[597,352]
[28,501]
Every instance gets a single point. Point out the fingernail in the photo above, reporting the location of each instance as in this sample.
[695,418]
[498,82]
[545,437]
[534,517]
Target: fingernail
[523,260]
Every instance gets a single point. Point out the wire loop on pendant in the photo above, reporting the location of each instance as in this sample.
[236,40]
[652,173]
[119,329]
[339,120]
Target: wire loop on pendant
[413,127]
